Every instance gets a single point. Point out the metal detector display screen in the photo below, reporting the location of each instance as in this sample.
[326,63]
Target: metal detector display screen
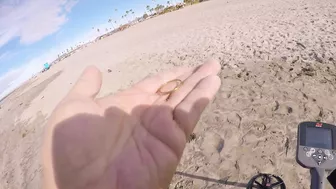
[319,137]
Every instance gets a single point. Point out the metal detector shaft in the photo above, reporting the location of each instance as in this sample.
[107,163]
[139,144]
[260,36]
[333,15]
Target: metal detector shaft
[317,178]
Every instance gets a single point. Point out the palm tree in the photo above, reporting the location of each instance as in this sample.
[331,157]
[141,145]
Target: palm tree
[122,18]
[110,21]
[145,16]
[168,3]
[98,30]
[158,8]
[127,12]
[131,12]
[149,9]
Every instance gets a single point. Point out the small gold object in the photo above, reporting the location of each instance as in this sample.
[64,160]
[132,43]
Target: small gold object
[178,85]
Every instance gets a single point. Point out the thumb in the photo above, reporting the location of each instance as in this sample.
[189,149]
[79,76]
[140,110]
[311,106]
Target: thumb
[88,84]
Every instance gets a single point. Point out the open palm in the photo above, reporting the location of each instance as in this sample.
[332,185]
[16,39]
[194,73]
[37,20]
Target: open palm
[132,139]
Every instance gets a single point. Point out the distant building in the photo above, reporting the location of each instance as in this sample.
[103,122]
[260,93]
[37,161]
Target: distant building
[46,67]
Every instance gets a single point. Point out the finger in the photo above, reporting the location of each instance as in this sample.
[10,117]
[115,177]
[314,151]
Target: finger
[188,112]
[162,99]
[145,91]
[212,67]
[88,84]
[153,83]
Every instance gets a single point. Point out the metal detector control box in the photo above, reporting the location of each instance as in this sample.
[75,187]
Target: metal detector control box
[316,145]
[316,150]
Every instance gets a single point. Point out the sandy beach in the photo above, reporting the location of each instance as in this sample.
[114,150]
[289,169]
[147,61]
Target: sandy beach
[278,62]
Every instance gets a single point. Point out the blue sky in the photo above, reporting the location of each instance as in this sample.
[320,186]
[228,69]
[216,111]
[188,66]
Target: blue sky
[33,32]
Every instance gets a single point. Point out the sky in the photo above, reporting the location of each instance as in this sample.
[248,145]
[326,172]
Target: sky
[33,32]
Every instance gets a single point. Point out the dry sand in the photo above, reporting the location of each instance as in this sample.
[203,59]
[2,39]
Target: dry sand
[278,69]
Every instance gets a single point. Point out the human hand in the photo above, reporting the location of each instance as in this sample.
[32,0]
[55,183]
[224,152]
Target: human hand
[132,139]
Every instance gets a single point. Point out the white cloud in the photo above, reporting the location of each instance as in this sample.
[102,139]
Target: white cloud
[14,78]
[69,5]
[7,79]
[4,55]
[32,20]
